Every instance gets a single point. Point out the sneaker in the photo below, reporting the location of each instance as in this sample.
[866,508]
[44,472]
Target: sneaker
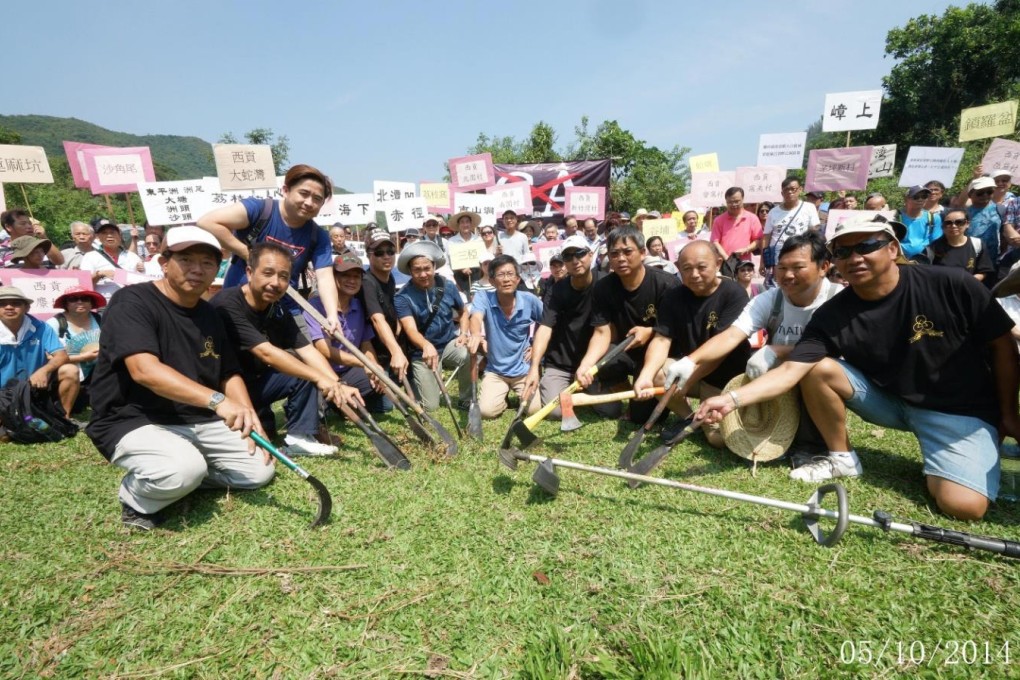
[799,456]
[827,467]
[138,521]
[300,445]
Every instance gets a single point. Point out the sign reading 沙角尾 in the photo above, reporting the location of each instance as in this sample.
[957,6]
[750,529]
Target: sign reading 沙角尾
[845,111]
[761,183]
[76,161]
[468,173]
[585,202]
[785,149]
[245,166]
[514,196]
[116,170]
[1003,154]
[925,163]
[883,158]
[24,164]
[169,203]
[838,169]
[706,162]
[992,120]
[708,189]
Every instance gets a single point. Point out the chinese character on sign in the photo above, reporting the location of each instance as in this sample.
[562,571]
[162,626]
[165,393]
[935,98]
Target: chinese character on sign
[838,112]
[864,112]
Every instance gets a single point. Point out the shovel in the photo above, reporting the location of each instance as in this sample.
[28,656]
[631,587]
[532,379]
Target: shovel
[446,397]
[387,450]
[627,455]
[649,461]
[474,426]
[325,500]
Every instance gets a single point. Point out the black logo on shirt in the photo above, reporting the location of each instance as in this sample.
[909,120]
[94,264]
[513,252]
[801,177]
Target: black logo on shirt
[210,350]
[650,313]
[923,327]
[713,321]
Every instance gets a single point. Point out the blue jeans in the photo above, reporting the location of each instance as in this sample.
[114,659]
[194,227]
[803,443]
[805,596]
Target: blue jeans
[962,449]
[302,407]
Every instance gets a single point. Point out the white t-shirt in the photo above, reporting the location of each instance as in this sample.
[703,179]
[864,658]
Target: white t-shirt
[786,223]
[516,246]
[94,262]
[792,319]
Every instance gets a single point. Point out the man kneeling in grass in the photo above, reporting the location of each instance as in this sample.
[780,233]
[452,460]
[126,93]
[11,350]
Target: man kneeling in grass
[921,349]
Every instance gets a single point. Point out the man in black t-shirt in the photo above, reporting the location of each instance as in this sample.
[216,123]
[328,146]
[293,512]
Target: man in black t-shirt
[563,334]
[692,314]
[626,302]
[909,347]
[168,402]
[377,290]
[265,334]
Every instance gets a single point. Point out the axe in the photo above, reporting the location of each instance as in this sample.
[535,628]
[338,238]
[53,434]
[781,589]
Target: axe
[570,421]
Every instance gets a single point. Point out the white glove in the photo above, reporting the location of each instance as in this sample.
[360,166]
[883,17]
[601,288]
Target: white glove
[761,362]
[680,372]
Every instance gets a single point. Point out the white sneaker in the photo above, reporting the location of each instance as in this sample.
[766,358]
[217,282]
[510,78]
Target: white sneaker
[827,467]
[298,445]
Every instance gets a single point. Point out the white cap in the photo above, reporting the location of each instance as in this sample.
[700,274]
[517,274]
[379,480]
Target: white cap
[981,183]
[180,238]
[575,242]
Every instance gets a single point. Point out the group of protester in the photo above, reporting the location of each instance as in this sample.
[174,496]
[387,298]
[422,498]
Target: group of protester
[176,383]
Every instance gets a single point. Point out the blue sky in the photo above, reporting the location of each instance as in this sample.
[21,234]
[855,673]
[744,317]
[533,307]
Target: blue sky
[388,90]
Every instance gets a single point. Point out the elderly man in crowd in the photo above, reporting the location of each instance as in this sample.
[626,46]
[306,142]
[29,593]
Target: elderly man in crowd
[82,235]
[104,262]
[738,231]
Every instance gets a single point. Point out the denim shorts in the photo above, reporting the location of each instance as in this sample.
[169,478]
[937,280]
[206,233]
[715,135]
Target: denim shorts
[962,449]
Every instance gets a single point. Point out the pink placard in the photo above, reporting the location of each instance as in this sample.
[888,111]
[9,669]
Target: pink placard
[761,183]
[76,161]
[708,189]
[468,173]
[44,286]
[1003,154]
[514,196]
[585,202]
[118,170]
[683,203]
[838,169]
[123,277]
[544,251]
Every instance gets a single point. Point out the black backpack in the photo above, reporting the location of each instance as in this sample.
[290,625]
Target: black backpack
[21,406]
[62,323]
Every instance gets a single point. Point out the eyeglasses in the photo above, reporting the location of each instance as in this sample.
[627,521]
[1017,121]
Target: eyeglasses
[625,252]
[79,298]
[506,275]
[387,252]
[955,223]
[862,248]
[984,192]
[11,303]
[486,233]
[575,254]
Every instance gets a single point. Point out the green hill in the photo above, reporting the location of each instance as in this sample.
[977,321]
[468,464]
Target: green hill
[173,156]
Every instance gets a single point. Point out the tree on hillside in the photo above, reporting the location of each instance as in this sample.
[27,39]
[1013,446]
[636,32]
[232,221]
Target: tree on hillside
[280,147]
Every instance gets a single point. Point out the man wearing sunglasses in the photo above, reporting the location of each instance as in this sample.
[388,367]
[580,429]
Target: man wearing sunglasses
[914,348]
[378,288]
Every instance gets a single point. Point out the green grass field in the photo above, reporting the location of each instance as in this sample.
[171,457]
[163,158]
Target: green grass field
[460,568]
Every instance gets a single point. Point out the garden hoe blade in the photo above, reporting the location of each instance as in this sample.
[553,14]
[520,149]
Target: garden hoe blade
[446,397]
[649,461]
[389,453]
[367,417]
[416,427]
[627,455]
[425,418]
[474,426]
[546,478]
[508,455]
[325,500]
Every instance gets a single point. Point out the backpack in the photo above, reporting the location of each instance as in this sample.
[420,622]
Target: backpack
[253,233]
[20,405]
[62,323]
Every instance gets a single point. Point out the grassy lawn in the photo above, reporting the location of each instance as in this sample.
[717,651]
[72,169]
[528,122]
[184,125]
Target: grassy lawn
[462,569]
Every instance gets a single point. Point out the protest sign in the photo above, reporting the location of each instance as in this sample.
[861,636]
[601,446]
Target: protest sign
[544,253]
[584,202]
[220,198]
[683,203]
[358,248]
[123,277]
[483,204]
[468,173]
[1003,154]
[404,214]
[115,170]
[838,217]
[514,196]
[76,161]
[708,188]
[845,111]
[170,203]
[992,120]
[24,164]
[44,286]
[385,191]
[438,197]
[836,169]
[349,209]
[245,166]
[548,181]
[706,162]
[883,158]
[664,228]
[674,247]
[783,149]
[466,255]
[925,163]
[761,183]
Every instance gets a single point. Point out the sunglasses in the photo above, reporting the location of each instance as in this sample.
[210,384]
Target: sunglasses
[955,223]
[574,254]
[862,248]
[984,192]
[384,252]
[486,233]
[79,298]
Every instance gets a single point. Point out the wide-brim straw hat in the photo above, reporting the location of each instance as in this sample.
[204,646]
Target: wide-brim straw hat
[420,249]
[760,432]
[476,219]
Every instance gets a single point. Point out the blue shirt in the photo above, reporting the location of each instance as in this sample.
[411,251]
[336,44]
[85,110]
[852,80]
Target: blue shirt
[920,233]
[298,241]
[507,339]
[417,303]
[986,225]
[355,326]
[25,358]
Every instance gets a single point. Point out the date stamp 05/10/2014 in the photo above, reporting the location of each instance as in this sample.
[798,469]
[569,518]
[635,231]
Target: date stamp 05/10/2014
[889,652]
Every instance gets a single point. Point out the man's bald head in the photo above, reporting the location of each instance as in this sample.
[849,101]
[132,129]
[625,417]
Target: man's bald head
[698,250]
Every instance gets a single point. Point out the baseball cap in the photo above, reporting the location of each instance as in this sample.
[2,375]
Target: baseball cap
[868,225]
[913,191]
[575,242]
[1000,172]
[347,262]
[981,183]
[181,238]
[377,238]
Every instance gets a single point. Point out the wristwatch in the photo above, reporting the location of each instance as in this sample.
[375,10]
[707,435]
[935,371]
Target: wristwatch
[215,400]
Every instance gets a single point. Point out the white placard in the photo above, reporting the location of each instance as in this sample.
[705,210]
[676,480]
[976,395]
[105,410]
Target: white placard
[883,158]
[387,192]
[405,213]
[220,197]
[244,166]
[170,203]
[349,209]
[25,164]
[483,204]
[783,149]
[925,163]
[846,111]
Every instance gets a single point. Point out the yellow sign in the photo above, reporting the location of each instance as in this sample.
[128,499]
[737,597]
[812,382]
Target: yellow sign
[706,162]
[436,195]
[993,120]
[665,227]
[466,255]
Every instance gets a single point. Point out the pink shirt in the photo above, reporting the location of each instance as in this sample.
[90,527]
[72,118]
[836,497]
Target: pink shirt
[736,234]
